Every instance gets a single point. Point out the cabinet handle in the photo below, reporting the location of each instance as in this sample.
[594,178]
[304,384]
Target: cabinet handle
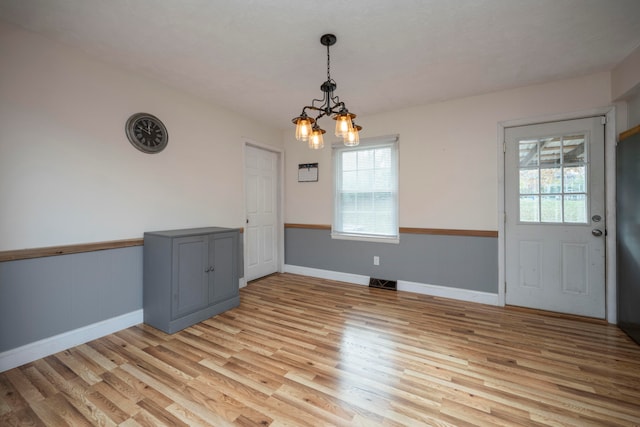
[209,269]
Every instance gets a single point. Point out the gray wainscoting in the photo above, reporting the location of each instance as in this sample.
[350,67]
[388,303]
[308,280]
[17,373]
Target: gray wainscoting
[465,262]
[44,297]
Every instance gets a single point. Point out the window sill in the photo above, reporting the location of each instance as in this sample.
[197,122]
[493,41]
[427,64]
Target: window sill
[365,238]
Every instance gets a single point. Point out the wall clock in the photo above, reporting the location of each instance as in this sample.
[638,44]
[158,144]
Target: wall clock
[147,133]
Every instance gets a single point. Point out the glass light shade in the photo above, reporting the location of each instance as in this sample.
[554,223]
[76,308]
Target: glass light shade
[303,128]
[343,124]
[353,136]
[316,141]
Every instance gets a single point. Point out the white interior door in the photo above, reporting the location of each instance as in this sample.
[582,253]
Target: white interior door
[555,217]
[261,237]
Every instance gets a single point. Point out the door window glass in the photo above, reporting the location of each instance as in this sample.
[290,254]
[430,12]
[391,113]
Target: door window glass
[553,180]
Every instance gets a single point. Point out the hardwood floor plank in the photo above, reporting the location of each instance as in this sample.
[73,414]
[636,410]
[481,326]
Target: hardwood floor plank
[23,417]
[116,401]
[70,386]
[58,409]
[160,415]
[91,354]
[301,351]
[79,367]
[11,399]
[188,417]
[23,385]
[221,403]
[176,395]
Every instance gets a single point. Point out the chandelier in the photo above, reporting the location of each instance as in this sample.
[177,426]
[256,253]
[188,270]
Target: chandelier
[307,128]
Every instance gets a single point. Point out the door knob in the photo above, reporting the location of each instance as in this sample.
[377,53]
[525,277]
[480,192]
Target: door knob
[596,232]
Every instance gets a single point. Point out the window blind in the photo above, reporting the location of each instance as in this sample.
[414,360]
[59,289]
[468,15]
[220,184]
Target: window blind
[366,189]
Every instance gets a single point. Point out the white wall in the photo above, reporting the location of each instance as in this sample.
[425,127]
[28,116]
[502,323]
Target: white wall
[634,111]
[625,77]
[67,171]
[625,88]
[448,154]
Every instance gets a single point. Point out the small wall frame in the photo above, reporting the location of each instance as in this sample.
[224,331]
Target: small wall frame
[307,172]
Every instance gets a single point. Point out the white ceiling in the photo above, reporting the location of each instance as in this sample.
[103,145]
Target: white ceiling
[263,58]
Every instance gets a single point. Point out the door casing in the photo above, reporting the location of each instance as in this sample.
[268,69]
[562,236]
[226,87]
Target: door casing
[610,162]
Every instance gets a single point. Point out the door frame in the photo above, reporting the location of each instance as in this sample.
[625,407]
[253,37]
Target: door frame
[610,198]
[279,203]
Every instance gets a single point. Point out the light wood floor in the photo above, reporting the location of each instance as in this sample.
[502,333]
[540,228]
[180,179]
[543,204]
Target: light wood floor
[301,351]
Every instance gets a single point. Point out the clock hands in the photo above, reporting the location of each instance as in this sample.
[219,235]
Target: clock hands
[147,130]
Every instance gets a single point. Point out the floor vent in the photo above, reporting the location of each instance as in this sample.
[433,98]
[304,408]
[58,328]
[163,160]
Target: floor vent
[383,284]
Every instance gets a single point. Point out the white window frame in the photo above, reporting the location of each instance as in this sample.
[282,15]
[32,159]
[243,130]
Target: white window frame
[368,143]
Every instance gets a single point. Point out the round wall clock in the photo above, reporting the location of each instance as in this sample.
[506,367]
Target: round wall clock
[147,133]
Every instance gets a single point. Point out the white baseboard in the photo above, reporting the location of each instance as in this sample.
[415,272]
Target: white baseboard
[449,292]
[39,349]
[242,282]
[419,288]
[327,274]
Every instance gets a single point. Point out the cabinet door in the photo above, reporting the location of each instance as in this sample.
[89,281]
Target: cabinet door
[190,277]
[223,255]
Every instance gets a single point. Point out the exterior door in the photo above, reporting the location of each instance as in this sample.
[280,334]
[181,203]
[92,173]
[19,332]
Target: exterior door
[261,186]
[555,217]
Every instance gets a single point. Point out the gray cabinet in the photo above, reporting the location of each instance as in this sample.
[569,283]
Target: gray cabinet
[189,276]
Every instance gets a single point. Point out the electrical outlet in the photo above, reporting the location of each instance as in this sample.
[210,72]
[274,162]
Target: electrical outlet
[376,260]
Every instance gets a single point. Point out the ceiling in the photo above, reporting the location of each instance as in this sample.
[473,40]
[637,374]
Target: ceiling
[263,58]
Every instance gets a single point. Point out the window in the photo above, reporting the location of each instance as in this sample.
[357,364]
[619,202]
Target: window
[366,190]
[553,180]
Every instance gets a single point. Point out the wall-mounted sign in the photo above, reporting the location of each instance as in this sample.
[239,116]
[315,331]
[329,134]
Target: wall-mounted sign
[307,172]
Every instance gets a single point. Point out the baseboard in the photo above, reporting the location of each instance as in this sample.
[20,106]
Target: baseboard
[39,349]
[356,279]
[449,292]
[419,288]
[242,283]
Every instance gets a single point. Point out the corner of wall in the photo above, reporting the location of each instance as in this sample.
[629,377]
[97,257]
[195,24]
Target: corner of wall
[625,77]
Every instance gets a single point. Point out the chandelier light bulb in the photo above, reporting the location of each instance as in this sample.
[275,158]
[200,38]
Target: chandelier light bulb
[316,140]
[344,125]
[353,137]
[303,127]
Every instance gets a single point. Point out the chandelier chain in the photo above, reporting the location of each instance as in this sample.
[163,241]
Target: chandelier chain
[328,65]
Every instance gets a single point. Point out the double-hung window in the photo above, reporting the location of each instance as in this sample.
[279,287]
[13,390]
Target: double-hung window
[366,190]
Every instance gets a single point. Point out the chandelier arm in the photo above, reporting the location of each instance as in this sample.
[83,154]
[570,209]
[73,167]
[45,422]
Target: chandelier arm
[325,101]
[314,108]
[322,106]
[337,103]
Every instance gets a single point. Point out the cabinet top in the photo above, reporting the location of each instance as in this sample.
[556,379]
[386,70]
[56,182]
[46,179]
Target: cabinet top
[190,231]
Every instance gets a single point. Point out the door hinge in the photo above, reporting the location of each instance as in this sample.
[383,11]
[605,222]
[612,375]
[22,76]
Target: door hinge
[603,120]
[505,287]
[504,146]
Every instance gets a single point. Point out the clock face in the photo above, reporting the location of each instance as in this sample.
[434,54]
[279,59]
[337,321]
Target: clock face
[147,133]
